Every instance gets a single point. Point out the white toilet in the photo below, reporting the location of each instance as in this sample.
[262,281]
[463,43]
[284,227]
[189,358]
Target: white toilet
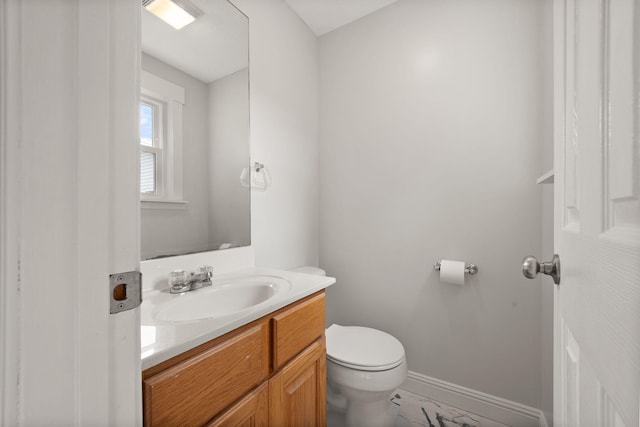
[364,366]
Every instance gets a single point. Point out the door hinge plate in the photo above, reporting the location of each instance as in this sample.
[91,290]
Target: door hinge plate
[126,291]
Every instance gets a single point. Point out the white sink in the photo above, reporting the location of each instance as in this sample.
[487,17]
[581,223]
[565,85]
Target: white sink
[175,323]
[222,298]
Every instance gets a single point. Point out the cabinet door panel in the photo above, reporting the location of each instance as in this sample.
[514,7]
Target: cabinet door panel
[194,391]
[296,328]
[252,411]
[297,393]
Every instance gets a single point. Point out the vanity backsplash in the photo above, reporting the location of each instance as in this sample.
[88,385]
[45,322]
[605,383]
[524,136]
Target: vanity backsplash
[155,273]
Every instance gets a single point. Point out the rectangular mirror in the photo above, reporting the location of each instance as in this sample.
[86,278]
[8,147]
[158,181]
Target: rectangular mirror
[194,129]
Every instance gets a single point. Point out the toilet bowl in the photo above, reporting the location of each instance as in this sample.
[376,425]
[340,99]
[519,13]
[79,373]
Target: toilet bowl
[364,366]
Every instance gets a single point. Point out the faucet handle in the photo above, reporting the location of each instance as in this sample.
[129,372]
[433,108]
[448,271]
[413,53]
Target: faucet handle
[177,278]
[206,269]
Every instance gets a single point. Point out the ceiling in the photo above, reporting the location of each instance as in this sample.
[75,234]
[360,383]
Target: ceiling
[323,16]
[213,46]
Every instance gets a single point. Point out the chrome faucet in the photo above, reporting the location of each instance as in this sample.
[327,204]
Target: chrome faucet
[180,282]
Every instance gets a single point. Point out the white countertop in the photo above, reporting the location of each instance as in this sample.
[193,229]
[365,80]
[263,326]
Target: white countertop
[161,340]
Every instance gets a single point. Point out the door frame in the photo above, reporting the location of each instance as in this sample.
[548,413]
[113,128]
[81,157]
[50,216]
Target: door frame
[9,213]
[83,57]
[558,135]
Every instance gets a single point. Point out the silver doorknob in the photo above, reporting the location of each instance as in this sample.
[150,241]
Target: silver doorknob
[531,267]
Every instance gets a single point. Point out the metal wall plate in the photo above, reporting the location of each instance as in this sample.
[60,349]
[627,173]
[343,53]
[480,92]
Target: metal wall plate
[125,291]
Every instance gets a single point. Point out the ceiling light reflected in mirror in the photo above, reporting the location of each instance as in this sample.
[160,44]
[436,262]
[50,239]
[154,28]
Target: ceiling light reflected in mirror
[177,13]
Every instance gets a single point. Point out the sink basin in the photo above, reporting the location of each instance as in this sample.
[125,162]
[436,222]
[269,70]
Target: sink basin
[222,298]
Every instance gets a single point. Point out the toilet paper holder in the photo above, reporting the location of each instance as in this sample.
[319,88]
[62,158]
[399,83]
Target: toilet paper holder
[469,268]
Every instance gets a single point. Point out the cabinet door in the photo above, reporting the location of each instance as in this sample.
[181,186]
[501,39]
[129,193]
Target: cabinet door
[297,393]
[252,411]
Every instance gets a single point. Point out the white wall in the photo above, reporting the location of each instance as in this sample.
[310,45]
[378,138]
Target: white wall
[284,126]
[430,117]
[229,202]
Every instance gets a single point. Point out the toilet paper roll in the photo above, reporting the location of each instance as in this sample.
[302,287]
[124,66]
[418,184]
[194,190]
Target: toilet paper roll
[452,271]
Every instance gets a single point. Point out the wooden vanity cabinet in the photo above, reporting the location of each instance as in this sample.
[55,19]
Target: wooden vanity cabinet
[270,372]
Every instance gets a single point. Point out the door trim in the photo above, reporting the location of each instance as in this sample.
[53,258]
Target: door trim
[10,85]
[93,376]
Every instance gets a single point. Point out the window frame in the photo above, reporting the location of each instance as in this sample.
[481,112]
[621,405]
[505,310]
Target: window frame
[169,178]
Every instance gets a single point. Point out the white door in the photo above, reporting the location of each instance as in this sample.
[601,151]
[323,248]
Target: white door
[597,213]
[68,212]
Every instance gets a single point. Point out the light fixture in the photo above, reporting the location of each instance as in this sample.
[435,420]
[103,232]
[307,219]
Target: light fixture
[176,13]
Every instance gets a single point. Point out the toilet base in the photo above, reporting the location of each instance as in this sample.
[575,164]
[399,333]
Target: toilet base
[364,396]
[336,417]
[373,409]
[375,413]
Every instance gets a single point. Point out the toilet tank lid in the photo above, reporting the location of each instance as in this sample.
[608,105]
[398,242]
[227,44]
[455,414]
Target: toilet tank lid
[363,347]
[307,269]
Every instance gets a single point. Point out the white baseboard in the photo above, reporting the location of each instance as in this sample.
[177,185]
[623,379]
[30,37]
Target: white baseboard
[483,404]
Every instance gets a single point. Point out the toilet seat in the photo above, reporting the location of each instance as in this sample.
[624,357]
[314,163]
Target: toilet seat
[363,349]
